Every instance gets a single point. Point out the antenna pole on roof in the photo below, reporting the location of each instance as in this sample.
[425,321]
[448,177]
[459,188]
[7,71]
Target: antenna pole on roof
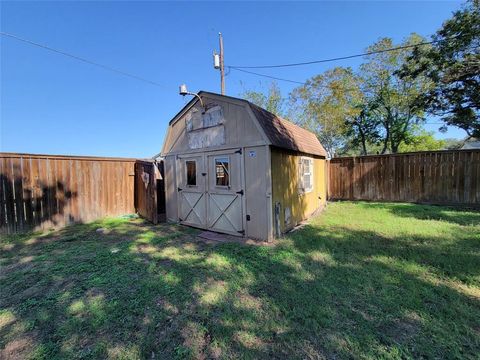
[222,67]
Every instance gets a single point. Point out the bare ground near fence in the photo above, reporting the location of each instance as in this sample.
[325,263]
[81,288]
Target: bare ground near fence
[437,177]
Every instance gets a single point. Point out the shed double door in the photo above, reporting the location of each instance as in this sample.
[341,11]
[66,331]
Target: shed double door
[210,191]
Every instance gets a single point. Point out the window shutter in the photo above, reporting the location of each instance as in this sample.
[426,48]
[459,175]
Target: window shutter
[300,175]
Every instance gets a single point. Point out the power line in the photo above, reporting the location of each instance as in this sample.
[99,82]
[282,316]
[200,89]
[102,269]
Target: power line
[105,67]
[341,57]
[264,75]
[283,79]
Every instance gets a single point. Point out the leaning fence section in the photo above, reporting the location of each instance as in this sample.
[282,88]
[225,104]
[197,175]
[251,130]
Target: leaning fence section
[45,191]
[437,177]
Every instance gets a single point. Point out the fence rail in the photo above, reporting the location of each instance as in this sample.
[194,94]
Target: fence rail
[44,191]
[438,177]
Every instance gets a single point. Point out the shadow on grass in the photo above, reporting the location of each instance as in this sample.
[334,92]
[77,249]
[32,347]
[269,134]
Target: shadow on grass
[142,291]
[456,215]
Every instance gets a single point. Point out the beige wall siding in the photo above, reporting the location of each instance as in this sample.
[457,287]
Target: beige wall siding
[171,189]
[285,180]
[256,197]
[239,130]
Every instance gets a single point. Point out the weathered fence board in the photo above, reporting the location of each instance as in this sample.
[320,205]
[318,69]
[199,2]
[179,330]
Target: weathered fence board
[438,177]
[44,191]
[146,190]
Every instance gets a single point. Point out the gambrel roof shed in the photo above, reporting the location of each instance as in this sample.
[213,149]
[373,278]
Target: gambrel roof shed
[280,132]
[233,167]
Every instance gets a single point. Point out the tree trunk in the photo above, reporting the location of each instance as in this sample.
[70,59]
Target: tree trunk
[387,138]
[393,145]
[395,148]
[364,145]
[363,140]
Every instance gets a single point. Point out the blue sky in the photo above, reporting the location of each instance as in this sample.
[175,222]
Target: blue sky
[56,105]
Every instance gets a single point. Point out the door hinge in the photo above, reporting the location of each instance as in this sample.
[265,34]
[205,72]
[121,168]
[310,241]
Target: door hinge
[248,217]
[240,192]
[239,151]
[241,232]
[179,189]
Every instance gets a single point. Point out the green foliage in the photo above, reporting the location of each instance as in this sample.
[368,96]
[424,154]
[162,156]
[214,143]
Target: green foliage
[382,107]
[453,144]
[360,110]
[363,132]
[271,100]
[325,103]
[392,100]
[360,281]
[453,65]
[422,141]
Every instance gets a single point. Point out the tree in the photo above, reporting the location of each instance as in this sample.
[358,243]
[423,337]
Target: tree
[271,100]
[393,99]
[325,104]
[453,144]
[363,129]
[422,140]
[452,63]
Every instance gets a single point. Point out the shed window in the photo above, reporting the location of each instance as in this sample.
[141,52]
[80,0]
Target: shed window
[306,175]
[191,166]
[222,171]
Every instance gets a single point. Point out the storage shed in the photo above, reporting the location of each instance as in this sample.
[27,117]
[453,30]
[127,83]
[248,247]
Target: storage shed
[235,168]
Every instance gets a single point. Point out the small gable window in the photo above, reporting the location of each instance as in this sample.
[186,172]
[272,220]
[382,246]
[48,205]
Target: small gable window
[305,175]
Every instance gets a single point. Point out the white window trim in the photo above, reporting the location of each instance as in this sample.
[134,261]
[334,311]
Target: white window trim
[302,174]
[229,171]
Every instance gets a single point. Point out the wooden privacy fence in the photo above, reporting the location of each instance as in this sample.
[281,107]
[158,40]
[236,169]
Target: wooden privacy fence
[437,177]
[44,191]
[147,175]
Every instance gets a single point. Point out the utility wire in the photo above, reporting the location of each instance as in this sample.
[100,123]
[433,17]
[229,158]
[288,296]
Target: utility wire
[265,75]
[105,67]
[341,57]
[242,68]
[283,79]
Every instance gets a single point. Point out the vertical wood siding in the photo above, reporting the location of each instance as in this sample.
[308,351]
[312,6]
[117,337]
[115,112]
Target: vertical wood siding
[285,180]
[439,177]
[43,191]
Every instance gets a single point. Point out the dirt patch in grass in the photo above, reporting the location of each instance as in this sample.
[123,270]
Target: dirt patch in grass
[402,330]
[20,348]
[247,301]
[196,339]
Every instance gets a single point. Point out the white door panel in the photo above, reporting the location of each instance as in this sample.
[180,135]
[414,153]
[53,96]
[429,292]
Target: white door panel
[192,209]
[224,193]
[225,212]
[210,196]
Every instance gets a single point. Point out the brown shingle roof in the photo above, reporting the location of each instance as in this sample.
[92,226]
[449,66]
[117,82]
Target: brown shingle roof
[285,134]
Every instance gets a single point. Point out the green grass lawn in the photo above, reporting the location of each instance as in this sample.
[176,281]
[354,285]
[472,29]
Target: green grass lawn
[361,280]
